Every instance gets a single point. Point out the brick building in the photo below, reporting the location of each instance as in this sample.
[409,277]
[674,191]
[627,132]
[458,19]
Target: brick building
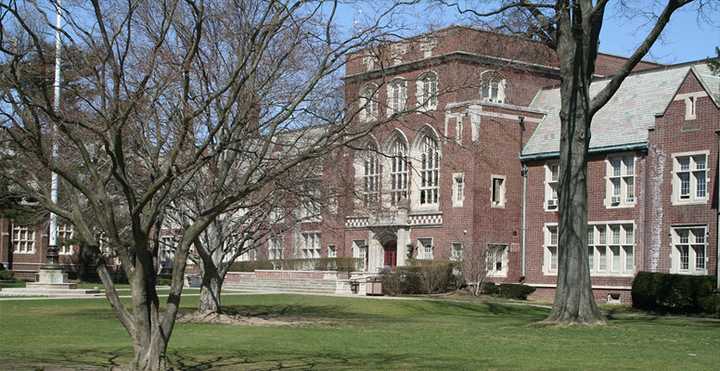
[466,161]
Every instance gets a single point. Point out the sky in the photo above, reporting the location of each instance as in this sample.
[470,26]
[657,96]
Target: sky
[686,38]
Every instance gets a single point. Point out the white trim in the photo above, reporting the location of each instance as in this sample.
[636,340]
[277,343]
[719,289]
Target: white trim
[692,254]
[458,198]
[421,253]
[675,180]
[610,200]
[548,188]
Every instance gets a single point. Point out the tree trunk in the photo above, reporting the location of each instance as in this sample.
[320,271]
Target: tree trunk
[150,356]
[210,292]
[574,301]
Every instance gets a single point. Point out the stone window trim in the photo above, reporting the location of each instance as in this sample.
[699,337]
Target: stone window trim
[498,191]
[396,96]
[425,248]
[552,183]
[617,239]
[310,244]
[695,171]
[65,232]
[398,165]
[457,250]
[458,189]
[497,256]
[493,87]
[426,91]
[690,100]
[550,249]
[620,181]
[332,251]
[689,249]
[426,159]
[275,248]
[23,239]
[368,102]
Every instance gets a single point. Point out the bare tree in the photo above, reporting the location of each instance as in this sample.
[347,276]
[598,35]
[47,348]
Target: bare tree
[572,29]
[167,86]
[475,266]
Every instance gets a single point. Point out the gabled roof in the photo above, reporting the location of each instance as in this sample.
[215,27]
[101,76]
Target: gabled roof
[624,121]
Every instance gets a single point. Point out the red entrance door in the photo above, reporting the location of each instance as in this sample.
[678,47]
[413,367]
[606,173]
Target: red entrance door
[391,254]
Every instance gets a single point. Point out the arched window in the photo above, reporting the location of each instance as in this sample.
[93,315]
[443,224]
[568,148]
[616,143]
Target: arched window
[368,103]
[427,91]
[429,171]
[493,88]
[371,176]
[398,171]
[397,95]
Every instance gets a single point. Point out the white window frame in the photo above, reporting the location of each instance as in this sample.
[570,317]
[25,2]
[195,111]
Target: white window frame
[275,248]
[332,251]
[548,247]
[23,239]
[396,102]
[497,253]
[495,87]
[399,171]
[427,81]
[65,232]
[503,191]
[425,252]
[457,251]
[371,177]
[697,237]
[429,182]
[458,189]
[551,203]
[311,245]
[368,103]
[626,179]
[619,250]
[693,173]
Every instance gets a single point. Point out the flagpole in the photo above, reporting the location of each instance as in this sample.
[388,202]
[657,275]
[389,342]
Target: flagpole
[54,182]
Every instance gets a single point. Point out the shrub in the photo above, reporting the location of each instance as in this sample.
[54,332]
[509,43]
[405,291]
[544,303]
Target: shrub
[514,291]
[489,288]
[322,264]
[6,275]
[421,277]
[672,293]
[711,304]
[251,266]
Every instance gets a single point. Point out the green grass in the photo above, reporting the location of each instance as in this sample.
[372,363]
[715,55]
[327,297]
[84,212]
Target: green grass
[361,334]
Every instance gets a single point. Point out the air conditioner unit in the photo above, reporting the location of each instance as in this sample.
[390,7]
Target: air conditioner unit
[630,199]
[552,204]
[615,200]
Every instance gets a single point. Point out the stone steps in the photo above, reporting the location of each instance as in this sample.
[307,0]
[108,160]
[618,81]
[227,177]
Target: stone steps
[271,285]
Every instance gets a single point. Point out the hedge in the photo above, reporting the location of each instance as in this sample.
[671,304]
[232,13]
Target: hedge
[507,290]
[673,293]
[421,277]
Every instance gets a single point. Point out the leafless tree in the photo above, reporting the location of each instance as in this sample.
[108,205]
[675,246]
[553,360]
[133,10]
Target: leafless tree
[167,86]
[572,29]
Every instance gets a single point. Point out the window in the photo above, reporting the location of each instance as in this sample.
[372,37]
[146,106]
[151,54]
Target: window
[458,189]
[429,172]
[620,181]
[359,251]
[398,172]
[427,92]
[65,233]
[275,248]
[167,250]
[690,179]
[425,248]
[689,255]
[23,239]
[497,260]
[368,103]
[397,95]
[552,172]
[332,251]
[690,105]
[459,127]
[611,249]
[456,251]
[551,249]
[498,191]
[310,247]
[371,177]
[493,89]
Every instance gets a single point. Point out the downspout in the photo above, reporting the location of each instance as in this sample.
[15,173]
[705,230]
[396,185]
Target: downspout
[523,220]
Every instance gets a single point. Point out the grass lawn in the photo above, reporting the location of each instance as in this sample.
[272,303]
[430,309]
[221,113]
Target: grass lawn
[361,334]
